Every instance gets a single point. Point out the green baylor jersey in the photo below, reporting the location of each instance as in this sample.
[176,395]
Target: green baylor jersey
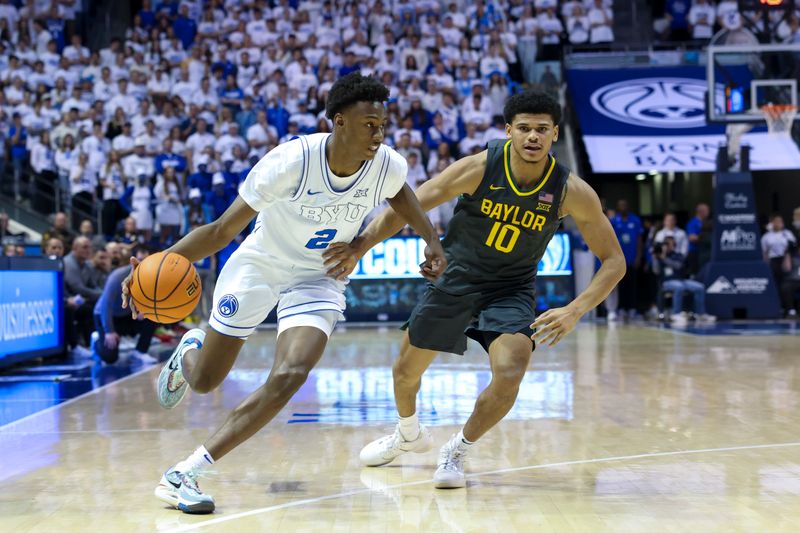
[498,235]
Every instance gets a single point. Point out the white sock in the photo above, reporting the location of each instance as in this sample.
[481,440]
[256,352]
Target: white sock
[196,462]
[409,426]
[462,442]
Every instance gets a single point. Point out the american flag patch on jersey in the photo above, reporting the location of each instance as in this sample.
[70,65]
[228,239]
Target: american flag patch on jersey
[546,197]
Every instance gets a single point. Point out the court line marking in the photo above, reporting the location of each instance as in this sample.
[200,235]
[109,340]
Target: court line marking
[299,503]
[76,398]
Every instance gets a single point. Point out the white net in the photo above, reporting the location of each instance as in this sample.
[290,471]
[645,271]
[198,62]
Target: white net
[779,118]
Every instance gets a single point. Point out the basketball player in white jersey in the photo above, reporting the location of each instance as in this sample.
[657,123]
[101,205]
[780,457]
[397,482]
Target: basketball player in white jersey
[308,193]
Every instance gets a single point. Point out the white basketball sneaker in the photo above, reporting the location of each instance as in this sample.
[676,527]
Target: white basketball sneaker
[171,385]
[384,450]
[180,490]
[450,471]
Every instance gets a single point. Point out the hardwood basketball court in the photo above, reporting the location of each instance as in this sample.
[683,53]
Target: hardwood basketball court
[617,429]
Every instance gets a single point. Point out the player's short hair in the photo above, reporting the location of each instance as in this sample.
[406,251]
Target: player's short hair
[351,89]
[533,103]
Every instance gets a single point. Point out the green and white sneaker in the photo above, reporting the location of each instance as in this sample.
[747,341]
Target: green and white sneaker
[171,385]
[180,490]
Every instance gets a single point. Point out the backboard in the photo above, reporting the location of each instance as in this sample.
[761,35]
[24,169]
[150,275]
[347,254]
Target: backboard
[746,77]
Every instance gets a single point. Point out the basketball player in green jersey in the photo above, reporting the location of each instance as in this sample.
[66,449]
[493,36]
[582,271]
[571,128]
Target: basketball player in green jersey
[512,198]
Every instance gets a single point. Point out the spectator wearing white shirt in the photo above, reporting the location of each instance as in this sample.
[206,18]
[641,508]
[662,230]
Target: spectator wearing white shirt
[37,121]
[776,245]
[159,85]
[225,143]
[43,164]
[578,25]
[122,100]
[184,87]
[306,121]
[600,19]
[477,110]
[496,131]
[245,70]
[414,50]
[416,172]
[76,101]
[671,229]
[205,98]
[169,208]
[15,92]
[83,182]
[550,31]
[701,19]
[494,61]
[139,120]
[112,183]
[472,143]
[262,136]
[42,37]
[77,54]
[104,88]
[9,12]
[200,139]
[726,7]
[96,147]
[139,163]
[123,143]
[415,136]
[151,139]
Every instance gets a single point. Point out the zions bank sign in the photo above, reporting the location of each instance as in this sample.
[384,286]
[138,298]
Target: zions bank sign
[636,120]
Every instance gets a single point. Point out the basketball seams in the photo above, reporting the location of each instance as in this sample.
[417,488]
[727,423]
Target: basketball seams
[188,269]
[196,298]
[139,283]
[155,285]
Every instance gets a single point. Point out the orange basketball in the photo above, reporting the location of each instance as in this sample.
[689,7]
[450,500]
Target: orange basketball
[165,287]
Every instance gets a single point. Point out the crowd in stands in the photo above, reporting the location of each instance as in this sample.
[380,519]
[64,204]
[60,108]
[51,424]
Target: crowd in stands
[163,124]
[682,20]
[664,259]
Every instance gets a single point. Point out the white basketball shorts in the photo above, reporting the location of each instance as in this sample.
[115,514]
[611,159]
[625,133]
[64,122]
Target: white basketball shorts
[252,283]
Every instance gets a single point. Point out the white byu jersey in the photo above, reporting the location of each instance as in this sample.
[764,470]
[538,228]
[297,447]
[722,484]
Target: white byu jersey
[301,208]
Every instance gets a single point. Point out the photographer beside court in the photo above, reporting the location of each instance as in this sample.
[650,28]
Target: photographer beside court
[111,320]
[671,265]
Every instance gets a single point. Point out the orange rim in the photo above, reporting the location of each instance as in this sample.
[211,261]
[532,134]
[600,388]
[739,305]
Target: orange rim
[777,111]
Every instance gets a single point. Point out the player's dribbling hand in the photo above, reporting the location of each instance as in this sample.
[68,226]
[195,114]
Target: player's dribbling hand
[552,325]
[341,258]
[435,262]
[127,301]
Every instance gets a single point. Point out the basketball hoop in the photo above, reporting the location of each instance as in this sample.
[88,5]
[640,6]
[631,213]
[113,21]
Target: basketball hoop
[779,118]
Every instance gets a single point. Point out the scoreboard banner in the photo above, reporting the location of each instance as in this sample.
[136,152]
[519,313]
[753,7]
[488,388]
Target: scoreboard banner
[400,257]
[31,312]
[641,119]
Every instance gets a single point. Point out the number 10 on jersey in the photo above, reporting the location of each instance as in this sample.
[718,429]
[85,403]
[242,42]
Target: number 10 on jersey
[502,237]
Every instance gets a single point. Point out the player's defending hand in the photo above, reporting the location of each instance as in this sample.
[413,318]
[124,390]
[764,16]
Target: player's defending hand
[552,325]
[435,261]
[127,301]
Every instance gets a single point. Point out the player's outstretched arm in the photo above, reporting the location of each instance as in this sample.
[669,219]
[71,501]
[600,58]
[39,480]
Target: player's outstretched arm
[583,205]
[408,207]
[462,177]
[203,241]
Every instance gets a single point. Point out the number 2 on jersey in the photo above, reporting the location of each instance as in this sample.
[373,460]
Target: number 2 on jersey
[323,239]
[497,237]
